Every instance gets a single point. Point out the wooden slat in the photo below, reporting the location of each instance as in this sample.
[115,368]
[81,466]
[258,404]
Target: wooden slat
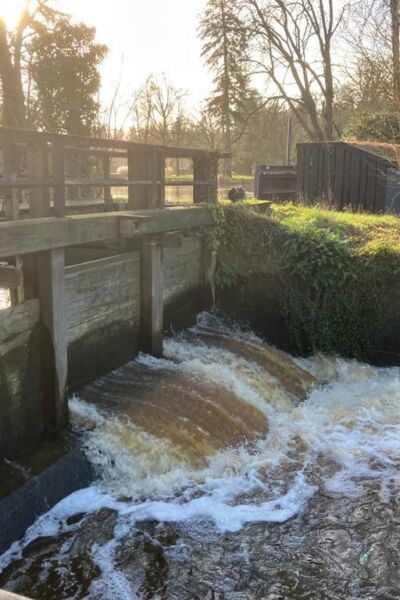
[354,191]
[363,182]
[98,182]
[33,235]
[371,183]
[26,136]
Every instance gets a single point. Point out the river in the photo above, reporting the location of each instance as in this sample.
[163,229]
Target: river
[227,470]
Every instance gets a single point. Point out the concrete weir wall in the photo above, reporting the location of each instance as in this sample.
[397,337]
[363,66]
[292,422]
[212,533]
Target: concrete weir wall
[102,306]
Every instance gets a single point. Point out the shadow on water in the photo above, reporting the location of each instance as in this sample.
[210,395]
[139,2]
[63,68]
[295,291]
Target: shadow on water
[227,470]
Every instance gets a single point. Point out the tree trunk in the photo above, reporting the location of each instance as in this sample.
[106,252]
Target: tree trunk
[329,95]
[226,104]
[10,77]
[394,9]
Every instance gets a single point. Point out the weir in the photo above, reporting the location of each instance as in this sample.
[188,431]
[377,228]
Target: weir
[93,280]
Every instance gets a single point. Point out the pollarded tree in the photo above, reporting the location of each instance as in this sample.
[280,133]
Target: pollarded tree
[225,49]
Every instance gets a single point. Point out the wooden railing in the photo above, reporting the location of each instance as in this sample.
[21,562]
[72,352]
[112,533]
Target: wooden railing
[44,174]
[342,175]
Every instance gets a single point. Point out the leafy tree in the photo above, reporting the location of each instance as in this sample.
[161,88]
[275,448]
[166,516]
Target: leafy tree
[13,61]
[381,126]
[64,70]
[225,49]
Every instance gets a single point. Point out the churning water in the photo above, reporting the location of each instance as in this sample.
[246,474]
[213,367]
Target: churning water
[227,470]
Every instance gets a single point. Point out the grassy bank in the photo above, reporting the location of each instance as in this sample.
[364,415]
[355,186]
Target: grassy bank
[337,274]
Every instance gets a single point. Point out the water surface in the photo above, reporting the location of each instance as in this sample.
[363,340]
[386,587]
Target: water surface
[228,470]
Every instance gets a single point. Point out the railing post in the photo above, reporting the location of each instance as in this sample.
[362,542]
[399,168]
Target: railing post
[158,177]
[151,296]
[11,211]
[141,168]
[59,176]
[205,178]
[11,199]
[48,272]
[51,291]
[39,196]
[107,190]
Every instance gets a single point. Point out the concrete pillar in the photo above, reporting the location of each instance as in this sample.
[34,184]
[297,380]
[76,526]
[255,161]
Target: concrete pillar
[152,307]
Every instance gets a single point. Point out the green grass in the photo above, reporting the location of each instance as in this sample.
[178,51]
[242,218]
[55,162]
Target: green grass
[336,274]
[362,232]
[242,177]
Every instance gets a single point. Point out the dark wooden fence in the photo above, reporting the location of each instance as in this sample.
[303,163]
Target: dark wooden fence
[342,175]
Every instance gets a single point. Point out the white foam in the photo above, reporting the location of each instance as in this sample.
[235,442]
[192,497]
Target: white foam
[352,421]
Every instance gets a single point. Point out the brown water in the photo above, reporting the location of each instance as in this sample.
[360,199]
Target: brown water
[227,470]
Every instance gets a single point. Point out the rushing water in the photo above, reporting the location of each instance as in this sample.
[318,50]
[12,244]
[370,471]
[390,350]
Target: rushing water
[227,470]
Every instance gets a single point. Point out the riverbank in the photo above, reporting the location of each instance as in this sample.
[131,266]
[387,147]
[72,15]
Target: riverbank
[312,279]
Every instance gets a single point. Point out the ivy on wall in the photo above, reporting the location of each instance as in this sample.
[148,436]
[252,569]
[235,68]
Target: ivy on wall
[334,274]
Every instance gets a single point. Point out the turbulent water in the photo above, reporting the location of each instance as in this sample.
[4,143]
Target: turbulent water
[227,470]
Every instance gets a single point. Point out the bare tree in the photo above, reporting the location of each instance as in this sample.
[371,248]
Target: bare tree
[293,47]
[157,111]
[375,46]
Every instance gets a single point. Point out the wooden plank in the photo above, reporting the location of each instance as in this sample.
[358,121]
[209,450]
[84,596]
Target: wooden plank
[39,200]
[345,200]
[102,292]
[26,136]
[11,200]
[51,290]
[152,307]
[339,174]
[371,183]
[107,175]
[355,181]
[363,182]
[59,176]
[300,170]
[173,239]
[380,201]
[33,235]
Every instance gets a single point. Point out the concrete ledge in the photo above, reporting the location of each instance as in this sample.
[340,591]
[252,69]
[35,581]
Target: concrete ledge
[20,509]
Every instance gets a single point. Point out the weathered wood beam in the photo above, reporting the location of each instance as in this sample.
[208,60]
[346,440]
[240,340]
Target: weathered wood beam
[27,236]
[51,288]
[24,136]
[152,307]
[173,239]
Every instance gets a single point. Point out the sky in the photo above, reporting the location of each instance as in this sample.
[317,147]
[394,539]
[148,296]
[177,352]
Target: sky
[150,35]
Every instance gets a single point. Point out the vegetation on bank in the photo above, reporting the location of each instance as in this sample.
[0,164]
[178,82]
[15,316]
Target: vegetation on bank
[335,272]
